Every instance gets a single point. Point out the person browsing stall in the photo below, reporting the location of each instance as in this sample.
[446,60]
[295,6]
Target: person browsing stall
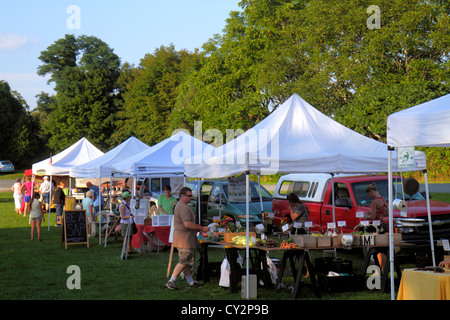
[45,189]
[166,202]
[98,197]
[18,196]
[126,219]
[88,205]
[185,239]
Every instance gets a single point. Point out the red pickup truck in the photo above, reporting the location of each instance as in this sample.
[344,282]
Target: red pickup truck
[352,204]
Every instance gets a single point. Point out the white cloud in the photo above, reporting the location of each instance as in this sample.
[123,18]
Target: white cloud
[10,41]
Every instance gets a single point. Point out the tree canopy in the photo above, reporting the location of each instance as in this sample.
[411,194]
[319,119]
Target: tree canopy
[355,61]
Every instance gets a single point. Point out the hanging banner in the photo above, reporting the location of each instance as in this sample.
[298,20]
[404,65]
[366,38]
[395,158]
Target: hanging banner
[236,189]
[405,157]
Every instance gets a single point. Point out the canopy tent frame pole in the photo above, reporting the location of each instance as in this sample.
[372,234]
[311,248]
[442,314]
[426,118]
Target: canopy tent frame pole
[391,223]
[247,227]
[430,223]
[100,197]
[110,209]
[50,204]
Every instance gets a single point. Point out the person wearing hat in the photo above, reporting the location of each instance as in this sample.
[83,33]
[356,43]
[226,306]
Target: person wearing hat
[126,218]
[45,191]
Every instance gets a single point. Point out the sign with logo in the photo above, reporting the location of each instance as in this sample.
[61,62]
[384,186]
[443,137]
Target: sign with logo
[405,157]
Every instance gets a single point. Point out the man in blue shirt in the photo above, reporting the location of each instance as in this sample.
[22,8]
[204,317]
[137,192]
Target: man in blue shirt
[97,196]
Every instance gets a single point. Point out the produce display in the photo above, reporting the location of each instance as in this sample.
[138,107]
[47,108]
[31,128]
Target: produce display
[242,241]
[289,244]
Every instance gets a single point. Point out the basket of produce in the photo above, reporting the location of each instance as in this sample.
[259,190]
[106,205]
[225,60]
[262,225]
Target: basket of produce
[228,236]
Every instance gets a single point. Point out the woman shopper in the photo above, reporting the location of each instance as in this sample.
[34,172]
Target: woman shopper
[36,216]
[18,196]
[126,219]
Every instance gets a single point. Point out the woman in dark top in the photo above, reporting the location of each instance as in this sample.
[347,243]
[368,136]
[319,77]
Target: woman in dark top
[299,211]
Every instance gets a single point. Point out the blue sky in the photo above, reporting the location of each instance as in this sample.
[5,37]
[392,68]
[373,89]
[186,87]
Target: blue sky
[131,28]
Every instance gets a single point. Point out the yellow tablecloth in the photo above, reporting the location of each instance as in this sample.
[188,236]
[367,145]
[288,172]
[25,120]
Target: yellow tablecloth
[424,285]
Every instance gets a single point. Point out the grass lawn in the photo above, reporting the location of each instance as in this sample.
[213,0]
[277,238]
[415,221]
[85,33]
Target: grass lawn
[33,270]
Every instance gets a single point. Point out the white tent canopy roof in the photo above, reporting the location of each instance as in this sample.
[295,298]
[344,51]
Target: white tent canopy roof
[165,157]
[79,153]
[427,124]
[296,138]
[102,166]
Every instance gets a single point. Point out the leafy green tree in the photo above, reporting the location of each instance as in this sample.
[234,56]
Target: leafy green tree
[149,97]
[85,72]
[17,128]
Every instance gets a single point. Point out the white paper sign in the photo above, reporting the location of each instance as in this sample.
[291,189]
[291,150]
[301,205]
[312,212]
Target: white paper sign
[365,222]
[236,189]
[376,223]
[285,227]
[341,223]
[331,225]
[405,157]
[308,224]
[446,245]
[360,214]
[297,224]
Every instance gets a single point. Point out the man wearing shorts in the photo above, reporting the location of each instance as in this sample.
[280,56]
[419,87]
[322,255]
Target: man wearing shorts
[185,239]
[45,191]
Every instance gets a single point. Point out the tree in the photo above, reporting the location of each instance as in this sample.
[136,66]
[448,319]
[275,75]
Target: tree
[149,97]
[17,129]
[85,72]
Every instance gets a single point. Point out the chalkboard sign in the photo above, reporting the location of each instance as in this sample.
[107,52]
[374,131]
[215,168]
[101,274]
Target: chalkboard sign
[75,227]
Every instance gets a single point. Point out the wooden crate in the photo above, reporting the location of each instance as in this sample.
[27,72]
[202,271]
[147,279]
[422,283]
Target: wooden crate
[357,239]
[305,241]
[381,239]
[337,241]
[324,242]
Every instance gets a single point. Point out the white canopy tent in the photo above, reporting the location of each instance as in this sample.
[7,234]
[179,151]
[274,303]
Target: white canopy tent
[425,125]
[59,165]
[166,157]
[296,138]
[101,167]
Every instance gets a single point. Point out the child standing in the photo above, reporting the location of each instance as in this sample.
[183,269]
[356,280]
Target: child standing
[36,215]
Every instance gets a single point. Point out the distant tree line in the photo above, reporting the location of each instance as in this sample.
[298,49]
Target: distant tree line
[324,50]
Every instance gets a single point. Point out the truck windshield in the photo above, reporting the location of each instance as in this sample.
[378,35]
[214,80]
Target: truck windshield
[363,199]
[254,192]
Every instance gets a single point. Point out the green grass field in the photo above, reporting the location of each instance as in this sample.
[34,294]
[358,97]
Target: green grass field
[33,270]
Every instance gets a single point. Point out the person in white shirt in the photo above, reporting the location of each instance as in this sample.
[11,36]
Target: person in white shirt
[45,191]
